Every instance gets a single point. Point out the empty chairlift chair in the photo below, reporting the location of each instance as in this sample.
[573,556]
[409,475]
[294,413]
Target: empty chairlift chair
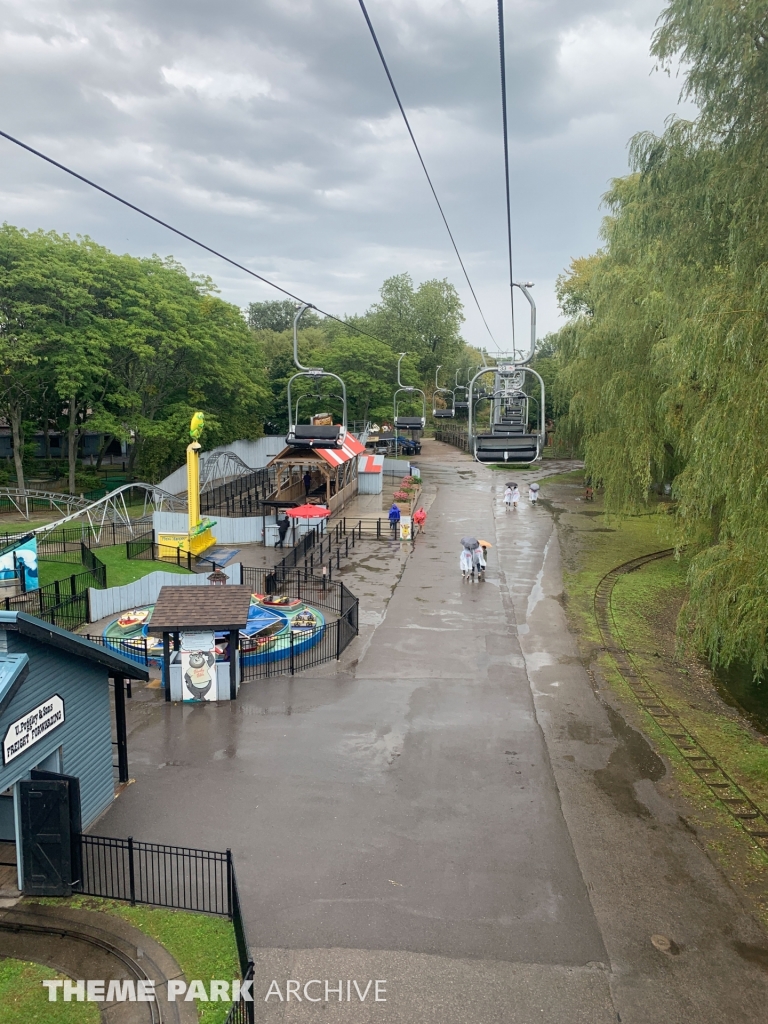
[448,412]
[313,435]
[510,437]
[408,422]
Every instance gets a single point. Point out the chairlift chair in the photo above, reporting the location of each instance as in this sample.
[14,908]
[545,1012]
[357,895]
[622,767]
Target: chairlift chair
[311,435]
[449,411]
[509,437]
[408,422]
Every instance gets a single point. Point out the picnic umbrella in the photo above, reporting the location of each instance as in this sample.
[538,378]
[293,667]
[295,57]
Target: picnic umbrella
[470,542]
[308,512]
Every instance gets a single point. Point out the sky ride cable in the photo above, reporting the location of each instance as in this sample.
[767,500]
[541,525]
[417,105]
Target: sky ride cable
[423,165]
[182,234]
[503,61]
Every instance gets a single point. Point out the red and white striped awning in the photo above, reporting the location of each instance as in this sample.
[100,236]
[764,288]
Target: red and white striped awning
[338,456]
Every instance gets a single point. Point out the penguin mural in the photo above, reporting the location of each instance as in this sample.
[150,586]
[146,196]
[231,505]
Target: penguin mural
[198,678]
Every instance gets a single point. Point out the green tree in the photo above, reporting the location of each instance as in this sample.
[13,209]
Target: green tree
[665,354]
[278,316]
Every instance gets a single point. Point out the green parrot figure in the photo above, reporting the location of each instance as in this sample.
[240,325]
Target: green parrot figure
[196,426]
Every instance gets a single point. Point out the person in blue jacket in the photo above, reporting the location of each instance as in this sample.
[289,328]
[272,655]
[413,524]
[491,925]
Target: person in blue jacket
[394,518]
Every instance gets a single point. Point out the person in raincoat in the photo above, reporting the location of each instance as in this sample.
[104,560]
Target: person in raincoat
[394,518]
[478,562]
[508,498]
[420,518]
[465,563]
[533,493]
[515,496]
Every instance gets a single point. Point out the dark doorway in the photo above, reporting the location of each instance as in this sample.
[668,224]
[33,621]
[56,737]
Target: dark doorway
[46,838]
[75,818]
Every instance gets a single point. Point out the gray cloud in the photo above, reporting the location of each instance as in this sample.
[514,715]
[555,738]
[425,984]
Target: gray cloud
[267,129]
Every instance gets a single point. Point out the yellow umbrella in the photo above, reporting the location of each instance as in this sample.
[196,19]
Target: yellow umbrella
[484,544]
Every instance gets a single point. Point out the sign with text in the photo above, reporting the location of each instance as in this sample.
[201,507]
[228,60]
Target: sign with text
[33,727]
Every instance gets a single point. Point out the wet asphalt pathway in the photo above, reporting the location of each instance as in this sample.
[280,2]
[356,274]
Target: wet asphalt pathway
[427,815]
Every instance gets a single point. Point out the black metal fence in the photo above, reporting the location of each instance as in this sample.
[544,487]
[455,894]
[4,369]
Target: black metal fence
[164,876]
[137,649]
[201,881]
[239,497]
[308,648]
[145,547]
[66,540]
[62,603]
[242,1012]
[94,565]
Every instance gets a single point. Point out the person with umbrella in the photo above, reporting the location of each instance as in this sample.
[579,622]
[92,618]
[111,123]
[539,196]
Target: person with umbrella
[507,497]
[515,495]
[533,493]
[466,559]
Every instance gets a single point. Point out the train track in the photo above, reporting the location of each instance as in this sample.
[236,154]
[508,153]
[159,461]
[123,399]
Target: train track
[741,808]
[134,967]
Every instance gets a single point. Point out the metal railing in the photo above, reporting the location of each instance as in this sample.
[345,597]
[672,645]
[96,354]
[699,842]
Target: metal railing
[239,497]
[62,603]
[163,876]
[145,547]
[94,565]
[310,647]
[178,877]
[137,648]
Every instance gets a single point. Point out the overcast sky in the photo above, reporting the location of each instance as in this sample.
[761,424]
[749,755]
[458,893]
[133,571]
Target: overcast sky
[267,129]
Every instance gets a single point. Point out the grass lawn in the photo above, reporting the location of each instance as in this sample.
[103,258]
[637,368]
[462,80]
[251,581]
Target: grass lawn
[645,606]
[204,947]
[23,1000]
[120,570]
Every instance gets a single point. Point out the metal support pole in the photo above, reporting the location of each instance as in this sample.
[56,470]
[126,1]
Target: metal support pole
[233,656]
[120,730]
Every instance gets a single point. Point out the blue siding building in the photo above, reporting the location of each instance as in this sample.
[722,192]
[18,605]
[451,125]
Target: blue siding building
[56,714]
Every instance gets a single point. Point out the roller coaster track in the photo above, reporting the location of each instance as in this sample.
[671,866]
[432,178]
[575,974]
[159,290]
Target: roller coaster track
[742,809]
[153,1011]
[111,508]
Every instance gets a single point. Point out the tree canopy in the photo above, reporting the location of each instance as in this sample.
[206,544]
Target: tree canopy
[665,353]
[129,347]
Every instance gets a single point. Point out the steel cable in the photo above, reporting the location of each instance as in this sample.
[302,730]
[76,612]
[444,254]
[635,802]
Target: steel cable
[182,234]
[423,165]
[503,61]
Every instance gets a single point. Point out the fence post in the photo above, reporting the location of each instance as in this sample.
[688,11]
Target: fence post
[72,585]
[291,652]
[131,872]
[338,639]
[189,560]
[378,529]
[230,901]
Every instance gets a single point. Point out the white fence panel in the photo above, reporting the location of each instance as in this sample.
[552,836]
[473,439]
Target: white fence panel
[145,591]
[245,530]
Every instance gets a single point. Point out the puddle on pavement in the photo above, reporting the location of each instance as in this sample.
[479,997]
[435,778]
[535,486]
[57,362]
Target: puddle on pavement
[632,760]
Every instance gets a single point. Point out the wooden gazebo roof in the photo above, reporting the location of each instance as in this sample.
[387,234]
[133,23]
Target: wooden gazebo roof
[188,608]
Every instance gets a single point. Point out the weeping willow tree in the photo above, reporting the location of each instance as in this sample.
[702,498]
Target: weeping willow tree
[665,353]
